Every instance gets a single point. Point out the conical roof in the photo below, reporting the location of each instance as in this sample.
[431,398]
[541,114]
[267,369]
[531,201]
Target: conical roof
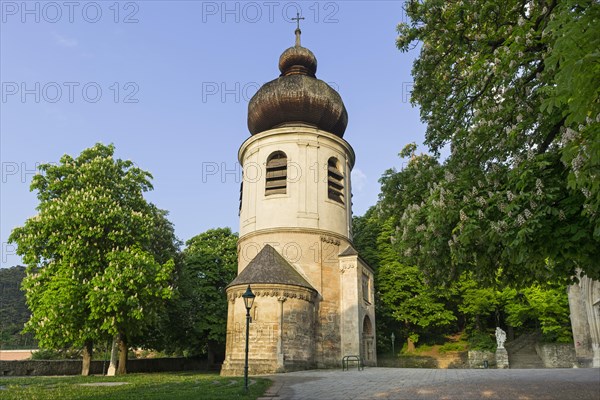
[270,267]
[349,251]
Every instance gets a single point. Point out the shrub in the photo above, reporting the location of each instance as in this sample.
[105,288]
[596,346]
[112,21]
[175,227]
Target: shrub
[481,341]
[423,348]
[48,354]
[453,346]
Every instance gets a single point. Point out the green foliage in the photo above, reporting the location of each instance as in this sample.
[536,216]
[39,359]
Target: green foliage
[50,354]
[47,354]
[575,63]
[371,246]
[411,185]
[546,307]
[403,289]
[411,300]
[92,269]
[156,332]
[210,265]
[512,87]
[408,304]
[125,295]
[13,310]
[408,150]
[479,340]
[424,348]
[476,302]
[453,346]
[143,386]
[413,337]
[198,316]
[365,231]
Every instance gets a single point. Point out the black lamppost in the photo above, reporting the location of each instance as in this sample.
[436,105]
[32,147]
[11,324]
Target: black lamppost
[248,297]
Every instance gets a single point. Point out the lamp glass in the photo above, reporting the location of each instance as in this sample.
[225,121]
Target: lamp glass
[248,297]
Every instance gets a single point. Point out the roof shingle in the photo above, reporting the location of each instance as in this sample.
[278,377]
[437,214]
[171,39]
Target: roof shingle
[270,267]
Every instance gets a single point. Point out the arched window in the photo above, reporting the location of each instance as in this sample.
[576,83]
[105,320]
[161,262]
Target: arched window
[335,181]
[276,180]
[367,326]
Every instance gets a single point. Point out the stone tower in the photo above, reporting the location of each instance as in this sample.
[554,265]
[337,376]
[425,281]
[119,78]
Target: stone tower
[314,294]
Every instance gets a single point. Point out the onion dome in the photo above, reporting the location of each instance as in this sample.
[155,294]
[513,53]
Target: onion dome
[298,60]
[297,96]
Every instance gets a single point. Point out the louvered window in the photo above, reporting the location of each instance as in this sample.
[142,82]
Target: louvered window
[335,181]
[276,180]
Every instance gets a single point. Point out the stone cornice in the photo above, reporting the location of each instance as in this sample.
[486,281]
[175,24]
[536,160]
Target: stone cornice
[326,236]
[280,292]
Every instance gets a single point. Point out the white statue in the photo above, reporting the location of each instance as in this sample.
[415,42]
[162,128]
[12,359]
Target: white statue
[500,337]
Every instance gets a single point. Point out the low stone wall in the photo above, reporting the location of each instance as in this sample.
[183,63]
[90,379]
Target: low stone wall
[556,355]
[477,358]
[407,362]
[416,362]
[449,360]
[453,360]
[73,367]
[44,367]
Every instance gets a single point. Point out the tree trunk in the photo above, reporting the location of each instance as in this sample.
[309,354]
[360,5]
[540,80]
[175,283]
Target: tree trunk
[88,348]
[122,368]
[114,354]
[410,345]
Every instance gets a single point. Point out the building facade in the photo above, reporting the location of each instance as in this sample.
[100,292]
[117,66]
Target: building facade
[315,301]
[584,305]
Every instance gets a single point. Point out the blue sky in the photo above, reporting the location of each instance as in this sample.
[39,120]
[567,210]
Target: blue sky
[168,82]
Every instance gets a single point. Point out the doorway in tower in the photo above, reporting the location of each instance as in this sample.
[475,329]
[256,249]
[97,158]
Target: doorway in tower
[367,340]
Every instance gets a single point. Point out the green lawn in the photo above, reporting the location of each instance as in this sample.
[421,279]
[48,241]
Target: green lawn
[182,385]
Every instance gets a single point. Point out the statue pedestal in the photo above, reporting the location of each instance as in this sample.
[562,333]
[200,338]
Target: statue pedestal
[501,358]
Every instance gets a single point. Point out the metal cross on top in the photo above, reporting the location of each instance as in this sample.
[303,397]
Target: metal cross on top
[297,19]
[298,31]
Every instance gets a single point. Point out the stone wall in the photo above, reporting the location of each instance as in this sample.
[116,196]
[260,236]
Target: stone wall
[477,357]
[450,360]
[584,304]
[328,349]
[281,335]
[298,335]
[405,361]
[454,360]
[73,367]
[317,261]
[557,355]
